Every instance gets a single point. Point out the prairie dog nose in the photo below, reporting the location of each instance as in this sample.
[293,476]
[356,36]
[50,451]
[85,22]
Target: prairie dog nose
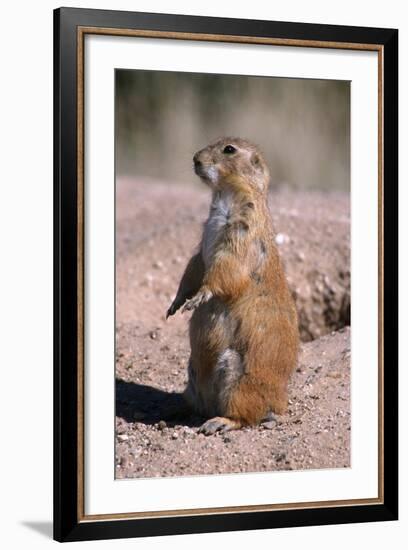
[197,162]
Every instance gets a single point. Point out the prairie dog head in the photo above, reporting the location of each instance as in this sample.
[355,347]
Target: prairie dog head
[232,163]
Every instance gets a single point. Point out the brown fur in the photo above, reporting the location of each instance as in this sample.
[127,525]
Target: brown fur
[243,331]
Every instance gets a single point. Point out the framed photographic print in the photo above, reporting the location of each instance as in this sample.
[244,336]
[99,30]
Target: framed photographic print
[225,242]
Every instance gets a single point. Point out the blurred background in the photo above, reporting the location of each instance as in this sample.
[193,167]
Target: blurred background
[302,126]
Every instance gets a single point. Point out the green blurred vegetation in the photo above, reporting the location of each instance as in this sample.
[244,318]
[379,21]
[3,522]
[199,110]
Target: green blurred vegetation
[302,126]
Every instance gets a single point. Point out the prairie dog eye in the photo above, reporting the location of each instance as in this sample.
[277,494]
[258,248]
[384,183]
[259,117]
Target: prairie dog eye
[229,150]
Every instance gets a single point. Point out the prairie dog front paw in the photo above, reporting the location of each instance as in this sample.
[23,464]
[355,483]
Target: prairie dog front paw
[202,296]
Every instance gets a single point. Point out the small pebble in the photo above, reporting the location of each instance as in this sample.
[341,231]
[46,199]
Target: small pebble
[123,437]
[281,238]
[269,425]
[280,456]
[125,462]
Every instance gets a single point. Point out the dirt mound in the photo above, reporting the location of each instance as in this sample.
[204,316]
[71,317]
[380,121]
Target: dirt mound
[313,234]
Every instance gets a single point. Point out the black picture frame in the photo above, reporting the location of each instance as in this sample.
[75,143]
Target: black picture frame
[68,525]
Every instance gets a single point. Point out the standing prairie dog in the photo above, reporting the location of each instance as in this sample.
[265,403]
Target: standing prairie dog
[243,331]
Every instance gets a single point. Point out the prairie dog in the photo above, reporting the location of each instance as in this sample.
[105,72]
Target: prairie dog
[243,331]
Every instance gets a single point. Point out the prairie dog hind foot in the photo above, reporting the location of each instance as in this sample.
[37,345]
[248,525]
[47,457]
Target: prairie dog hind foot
[219,424]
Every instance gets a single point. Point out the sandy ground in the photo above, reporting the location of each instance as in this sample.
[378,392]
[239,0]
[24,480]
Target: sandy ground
[158,227]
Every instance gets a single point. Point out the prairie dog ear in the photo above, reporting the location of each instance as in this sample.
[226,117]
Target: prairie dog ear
[256,161]
[261,176]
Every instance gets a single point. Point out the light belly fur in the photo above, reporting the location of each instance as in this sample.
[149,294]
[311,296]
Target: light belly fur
[211,398]
[216,365]
[219,214]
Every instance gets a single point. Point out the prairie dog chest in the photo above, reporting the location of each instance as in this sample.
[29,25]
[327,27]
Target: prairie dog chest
[220,213]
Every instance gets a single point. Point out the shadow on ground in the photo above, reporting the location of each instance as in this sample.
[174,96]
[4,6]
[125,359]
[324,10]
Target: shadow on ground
[148,405]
